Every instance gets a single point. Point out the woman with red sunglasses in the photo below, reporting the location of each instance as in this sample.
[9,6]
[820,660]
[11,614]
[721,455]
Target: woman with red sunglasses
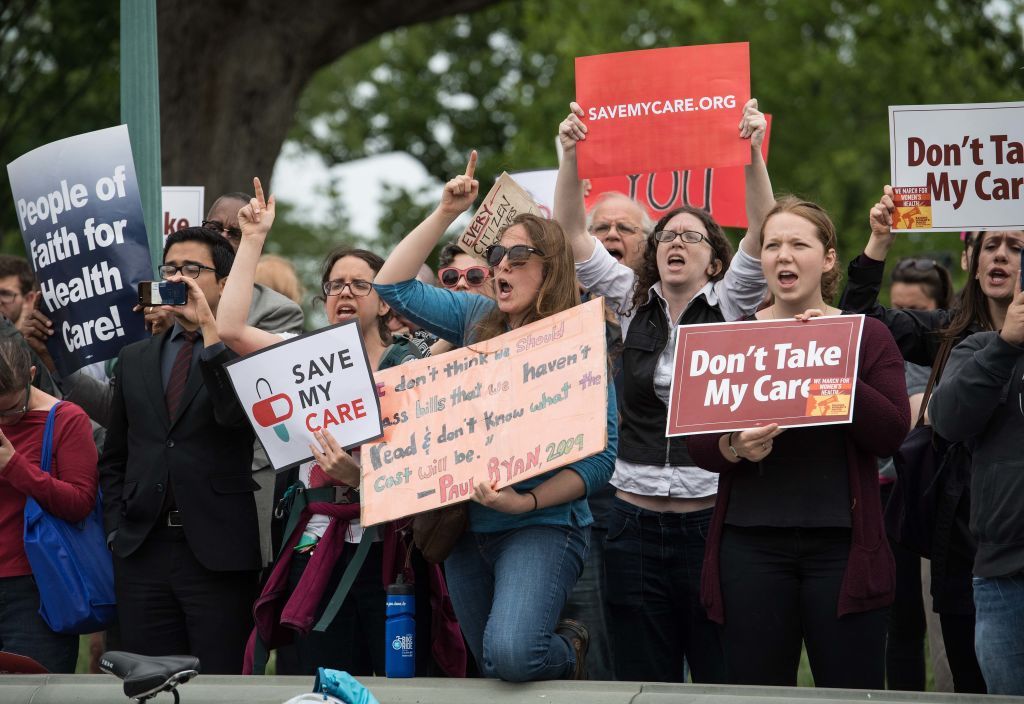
[459,271]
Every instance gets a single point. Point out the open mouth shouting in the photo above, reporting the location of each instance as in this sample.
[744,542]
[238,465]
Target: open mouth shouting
[504,288]
[345,311]
[787,279]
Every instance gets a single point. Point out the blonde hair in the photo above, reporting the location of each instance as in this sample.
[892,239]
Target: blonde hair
[278,273]
[558,291]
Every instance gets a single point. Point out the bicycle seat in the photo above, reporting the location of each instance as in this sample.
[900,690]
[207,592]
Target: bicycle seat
[145,677]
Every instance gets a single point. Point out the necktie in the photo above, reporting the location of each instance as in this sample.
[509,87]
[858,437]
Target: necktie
[179,373]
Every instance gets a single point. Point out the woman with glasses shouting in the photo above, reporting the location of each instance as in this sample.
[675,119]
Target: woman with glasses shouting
[512,571]
[663,502]
[355,639]
[67,491]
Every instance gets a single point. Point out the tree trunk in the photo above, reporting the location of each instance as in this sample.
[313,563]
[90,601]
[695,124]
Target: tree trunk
[232,72]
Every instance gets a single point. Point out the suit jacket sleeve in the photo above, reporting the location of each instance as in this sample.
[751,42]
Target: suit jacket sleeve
[226,408]
[114,459]
[272,312]
[94,396]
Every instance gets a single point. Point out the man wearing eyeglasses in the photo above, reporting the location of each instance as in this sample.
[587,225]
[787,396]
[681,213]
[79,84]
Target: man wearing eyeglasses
[621,225]
[175,472]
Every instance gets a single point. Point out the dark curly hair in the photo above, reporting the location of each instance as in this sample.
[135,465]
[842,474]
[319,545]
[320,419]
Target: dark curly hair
[649,274]
[374,261]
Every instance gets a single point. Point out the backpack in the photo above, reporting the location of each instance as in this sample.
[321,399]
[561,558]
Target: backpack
[71,564]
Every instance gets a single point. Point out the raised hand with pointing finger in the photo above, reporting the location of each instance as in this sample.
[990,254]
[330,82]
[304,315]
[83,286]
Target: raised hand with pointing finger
[257,216]
[461,191]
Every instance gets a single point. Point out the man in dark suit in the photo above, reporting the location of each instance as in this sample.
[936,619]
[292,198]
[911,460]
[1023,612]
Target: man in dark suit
[176,479]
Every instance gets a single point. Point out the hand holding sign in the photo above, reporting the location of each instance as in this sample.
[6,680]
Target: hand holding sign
[880,219]
[337,463]
[753,124]
[572,129]
[461,191]
[257,216]
[506,500]
[753,445]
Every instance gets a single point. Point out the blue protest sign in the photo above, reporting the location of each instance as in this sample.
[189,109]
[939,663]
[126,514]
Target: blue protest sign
[80,215]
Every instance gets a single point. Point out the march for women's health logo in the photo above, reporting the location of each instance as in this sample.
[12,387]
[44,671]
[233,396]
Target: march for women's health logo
[78,207]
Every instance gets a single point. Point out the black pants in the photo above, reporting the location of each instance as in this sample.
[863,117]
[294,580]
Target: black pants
[653,563]
[780,587]
[354,641]
[169,604]
[958,637]
[904,652]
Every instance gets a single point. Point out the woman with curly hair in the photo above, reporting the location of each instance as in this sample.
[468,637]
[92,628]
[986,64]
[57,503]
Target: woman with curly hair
[663,502]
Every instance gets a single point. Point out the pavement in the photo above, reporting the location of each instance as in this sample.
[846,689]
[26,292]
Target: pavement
[214,689]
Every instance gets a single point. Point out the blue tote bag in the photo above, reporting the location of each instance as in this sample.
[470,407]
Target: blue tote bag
[70,561]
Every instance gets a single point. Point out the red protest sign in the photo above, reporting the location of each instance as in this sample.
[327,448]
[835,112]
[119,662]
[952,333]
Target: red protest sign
[663,109]
[721,191]
[734,376]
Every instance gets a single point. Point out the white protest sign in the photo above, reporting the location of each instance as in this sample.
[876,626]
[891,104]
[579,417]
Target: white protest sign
[183,207]
[540,185]
[503,203]
[957,167]
[318,381]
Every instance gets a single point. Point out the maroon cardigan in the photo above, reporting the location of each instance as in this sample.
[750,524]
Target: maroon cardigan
[881,419]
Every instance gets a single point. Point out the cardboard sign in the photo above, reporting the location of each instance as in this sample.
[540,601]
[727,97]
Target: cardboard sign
[78,207]
[721,191]
[734,376]
[540,187]
[183,207]
[957,167]
[317,381]
[503,203]
[663,109]
[502,410]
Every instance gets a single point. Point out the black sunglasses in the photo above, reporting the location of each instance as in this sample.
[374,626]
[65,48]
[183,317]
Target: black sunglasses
[517,254]
[232,233]
[919,264]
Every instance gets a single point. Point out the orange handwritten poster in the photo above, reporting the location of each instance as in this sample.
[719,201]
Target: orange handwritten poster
[503,203]
[503,410]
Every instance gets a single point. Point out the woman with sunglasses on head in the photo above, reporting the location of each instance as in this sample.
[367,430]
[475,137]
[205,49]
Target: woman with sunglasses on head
[513,570]
[355,640]
[796,553]
[663,502]
[922,335]
[67,491]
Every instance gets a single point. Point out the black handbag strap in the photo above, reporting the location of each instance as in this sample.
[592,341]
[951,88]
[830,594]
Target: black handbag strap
[937,366]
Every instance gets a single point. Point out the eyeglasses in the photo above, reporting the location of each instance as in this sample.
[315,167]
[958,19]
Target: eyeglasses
[919,264]
[232,233]
[687,236]
[474,275]
[14,417]
[8,296]
[517,254]
[357,287]
[192,271]
[604,228]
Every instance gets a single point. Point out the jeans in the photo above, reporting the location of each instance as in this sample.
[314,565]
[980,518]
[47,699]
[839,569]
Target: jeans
[23,630]
[780,587]
[508,589]
[999,632]
[653,563]
[589,606]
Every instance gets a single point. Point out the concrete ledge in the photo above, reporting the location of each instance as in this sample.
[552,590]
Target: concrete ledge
[213,689]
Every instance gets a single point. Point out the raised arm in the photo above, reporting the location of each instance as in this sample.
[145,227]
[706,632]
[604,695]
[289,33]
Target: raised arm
[759,196]
[412,252]
[255,220]
[569,208]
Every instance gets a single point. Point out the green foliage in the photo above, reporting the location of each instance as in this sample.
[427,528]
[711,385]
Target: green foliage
[500,81]
[58,77]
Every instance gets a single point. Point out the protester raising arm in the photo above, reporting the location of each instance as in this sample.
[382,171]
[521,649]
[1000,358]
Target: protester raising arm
[408,256]
[255,220]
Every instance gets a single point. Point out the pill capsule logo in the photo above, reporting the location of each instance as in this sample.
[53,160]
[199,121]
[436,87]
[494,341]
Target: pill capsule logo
[273,410]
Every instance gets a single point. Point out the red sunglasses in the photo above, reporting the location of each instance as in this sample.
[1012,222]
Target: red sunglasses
[475,275]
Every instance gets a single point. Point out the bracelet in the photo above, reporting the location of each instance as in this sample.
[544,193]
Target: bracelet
[731,448]
[530,492]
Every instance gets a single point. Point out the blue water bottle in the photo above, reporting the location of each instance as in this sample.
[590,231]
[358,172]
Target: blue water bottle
[400,630]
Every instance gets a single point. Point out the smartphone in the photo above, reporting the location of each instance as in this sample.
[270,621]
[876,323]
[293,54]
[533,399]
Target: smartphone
[163,293]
